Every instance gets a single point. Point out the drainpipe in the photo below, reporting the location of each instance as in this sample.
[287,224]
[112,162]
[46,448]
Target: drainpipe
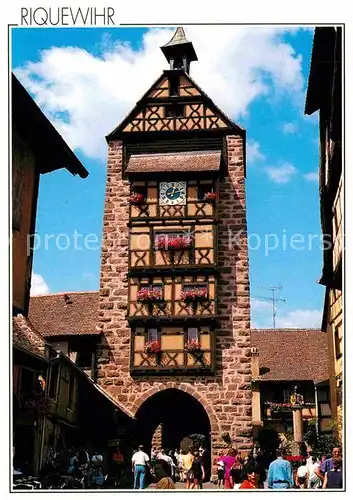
[317,427]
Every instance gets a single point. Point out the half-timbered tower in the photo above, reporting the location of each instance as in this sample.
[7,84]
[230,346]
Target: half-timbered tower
[174,295]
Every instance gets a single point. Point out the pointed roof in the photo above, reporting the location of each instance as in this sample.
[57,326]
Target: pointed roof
[179,44]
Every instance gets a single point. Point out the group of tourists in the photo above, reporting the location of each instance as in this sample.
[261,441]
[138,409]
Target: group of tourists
[166,467]
[312,473]
[235,472]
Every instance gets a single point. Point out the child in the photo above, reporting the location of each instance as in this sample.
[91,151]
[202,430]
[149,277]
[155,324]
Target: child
[220,473]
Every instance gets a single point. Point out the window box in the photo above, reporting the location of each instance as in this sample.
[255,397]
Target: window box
[137,199]
[150,295]
[172,242]
[153,347]
[210,197]
[193,346]
[196,294]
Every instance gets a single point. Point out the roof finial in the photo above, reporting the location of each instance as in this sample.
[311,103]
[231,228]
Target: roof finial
[179,52]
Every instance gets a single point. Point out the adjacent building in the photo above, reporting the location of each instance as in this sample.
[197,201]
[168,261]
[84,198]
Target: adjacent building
[174,305]
[285,361]
[324,94]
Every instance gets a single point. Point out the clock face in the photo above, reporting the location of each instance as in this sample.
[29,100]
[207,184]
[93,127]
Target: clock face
[172,193]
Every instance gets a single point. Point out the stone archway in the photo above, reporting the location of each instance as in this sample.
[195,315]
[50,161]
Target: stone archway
[170,415]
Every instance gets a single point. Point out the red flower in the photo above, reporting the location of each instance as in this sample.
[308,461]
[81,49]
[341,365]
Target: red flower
[153,347]
[211,196]
[149,295]
[194,294]
[166,242]
[137,198]
[193,346]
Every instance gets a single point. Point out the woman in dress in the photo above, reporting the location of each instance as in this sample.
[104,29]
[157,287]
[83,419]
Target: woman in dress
[228,460]
[198,470]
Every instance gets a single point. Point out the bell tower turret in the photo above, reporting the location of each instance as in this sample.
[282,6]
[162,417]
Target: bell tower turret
[179,52]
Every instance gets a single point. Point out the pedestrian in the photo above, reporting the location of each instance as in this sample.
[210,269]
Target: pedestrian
[220,474]
[118,461]
[228,460]
[188,460]
[198,471]
[250,483]
[313,466]
[163,476]
[236,473]
[163,455]
[280,474]
[180,465]
[96,470]
[327,464]
[302,475]
[333,477]
[140,466]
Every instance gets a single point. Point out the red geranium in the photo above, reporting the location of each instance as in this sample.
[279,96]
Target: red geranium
[193,346]
[153,347]
[149,295]
[166,242]
[211,196]
[137,198]
[194,294]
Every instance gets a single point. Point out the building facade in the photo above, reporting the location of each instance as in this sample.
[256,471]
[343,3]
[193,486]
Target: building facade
[174,296]
[324,94]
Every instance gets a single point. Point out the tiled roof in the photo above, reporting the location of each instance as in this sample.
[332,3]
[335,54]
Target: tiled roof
[291,354]
[175,162]
[71,313]
[26,337]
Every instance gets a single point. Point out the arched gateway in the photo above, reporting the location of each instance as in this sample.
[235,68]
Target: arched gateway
[174,295]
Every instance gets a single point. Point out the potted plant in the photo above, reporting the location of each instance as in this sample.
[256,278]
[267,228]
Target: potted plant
[153,348]
[194,294]
[210,197]
[137,199]
[165,242]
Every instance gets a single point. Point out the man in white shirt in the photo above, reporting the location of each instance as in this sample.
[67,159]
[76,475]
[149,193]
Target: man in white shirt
[140,462]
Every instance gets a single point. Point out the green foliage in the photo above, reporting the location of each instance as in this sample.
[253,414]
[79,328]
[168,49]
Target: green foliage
[321,444]
[193,441]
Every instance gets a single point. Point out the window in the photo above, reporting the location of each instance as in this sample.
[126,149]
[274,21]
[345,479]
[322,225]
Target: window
[53,386]
[27,382]
[174,111]
[193,334]
[203,189]
[174,85]
[338,343]
[152,334]
[71,391]
[84,358]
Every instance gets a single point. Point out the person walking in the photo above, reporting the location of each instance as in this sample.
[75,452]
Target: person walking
[140,465]
[228,460]
[188,460]
[236,473]
[198,471]
[96,470]
[220,474]
[327,464]
[314,481]
[280,474]
[301,480]
[118,462]
[333,477]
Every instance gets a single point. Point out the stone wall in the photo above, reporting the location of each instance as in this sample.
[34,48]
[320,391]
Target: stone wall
[226,395]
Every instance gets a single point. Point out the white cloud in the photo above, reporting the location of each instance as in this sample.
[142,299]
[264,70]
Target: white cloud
[282,174]
[311,176]
[260,305]
[38,285]
[87,95]
[253,153]
[300,318]
[289,128]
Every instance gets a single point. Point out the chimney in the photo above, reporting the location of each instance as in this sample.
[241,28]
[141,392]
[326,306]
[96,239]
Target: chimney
[255,362]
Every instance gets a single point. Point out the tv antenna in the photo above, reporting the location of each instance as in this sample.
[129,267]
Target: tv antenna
[273,299]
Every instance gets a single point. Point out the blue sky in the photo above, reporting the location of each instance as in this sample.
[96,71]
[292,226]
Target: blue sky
[86,80]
